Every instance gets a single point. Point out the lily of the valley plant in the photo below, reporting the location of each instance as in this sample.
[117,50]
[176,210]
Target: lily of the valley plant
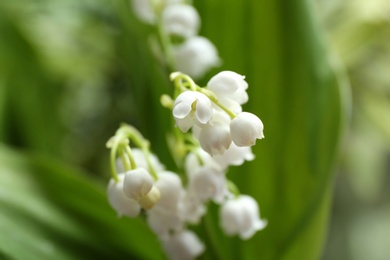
[212,133]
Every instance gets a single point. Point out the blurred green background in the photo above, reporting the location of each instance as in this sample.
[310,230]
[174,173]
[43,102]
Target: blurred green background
[71,71]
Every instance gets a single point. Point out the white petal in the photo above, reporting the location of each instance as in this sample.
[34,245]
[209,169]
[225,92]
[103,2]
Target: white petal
[181,110]
[204,109]
[185,124]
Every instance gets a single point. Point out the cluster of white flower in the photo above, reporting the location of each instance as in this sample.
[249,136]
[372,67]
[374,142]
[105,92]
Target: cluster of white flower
[179,23]
[222,135]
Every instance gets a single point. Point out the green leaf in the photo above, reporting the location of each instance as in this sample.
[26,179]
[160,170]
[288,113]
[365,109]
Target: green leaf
[50,211]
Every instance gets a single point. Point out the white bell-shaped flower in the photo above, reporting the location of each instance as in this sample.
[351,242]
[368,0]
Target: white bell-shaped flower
[235,155]
[215,137]
[207,183]
[123,205]
[245,128]
[240,216]
[138,185]
[192,107]
[195,56]
[171,190]
[229,84]
[181,19]
[183,245]
[164,217]
[191,209]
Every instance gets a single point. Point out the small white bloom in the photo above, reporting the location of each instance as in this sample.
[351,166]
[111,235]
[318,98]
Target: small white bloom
[181,19]
[192,107]
[119,201]
[240,216]
[235,155]
[171,189]
[137,184]
[228,84]
[245,128]
[191,209]
[208,183]
[164,216]
[195,56]
[184,245]
[215,137]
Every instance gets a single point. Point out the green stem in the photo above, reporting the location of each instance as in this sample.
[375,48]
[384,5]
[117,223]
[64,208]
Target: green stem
[125,161]
[133,164]
[165,44]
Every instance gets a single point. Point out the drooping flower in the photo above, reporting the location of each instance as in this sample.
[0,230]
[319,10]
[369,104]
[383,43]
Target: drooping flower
[181,19]
[138,185]
[164,217]
[215,137]
[230,88]
[235,155]
[245,128]
[192,107]
[123,205]
[183,245]
[240,216]
[229,84]
[195,56]
[208,183]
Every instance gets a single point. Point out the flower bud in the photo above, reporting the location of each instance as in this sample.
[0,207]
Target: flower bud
[245,128]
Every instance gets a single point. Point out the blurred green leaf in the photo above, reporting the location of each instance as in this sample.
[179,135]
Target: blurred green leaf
[50,211]
[296,90]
